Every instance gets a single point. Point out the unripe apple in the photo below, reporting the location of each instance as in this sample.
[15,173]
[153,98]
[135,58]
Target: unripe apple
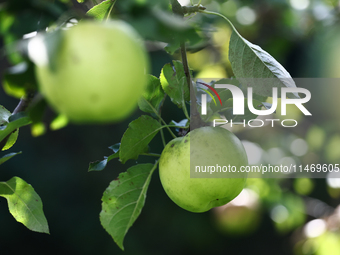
[210,146]
[93,72]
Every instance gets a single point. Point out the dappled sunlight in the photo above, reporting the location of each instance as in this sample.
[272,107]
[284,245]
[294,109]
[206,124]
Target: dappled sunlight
[315,228]
[246,16]
[37,50]
[300,4]
[254,152]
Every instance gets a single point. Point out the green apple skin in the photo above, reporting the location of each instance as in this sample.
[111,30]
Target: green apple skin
[98,72]
[213,145]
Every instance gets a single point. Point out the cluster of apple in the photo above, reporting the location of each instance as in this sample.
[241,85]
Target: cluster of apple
[96,73]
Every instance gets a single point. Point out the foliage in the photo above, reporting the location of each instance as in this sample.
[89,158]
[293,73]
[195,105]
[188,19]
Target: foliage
[124,198]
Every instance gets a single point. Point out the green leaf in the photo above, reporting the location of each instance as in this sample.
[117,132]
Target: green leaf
[3,159]
[124,199]
[257,68]
[100,11]
[4,115]
[174,83]
[24,204]
[11,140]
[183,123]
[99,165]
[4,118]
[152,96]
[137,137]
[15,121]
[115,147]
[171,48]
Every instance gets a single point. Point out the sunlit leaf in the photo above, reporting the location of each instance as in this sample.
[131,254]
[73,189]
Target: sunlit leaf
[24,204]
[174,83]
[11,140]
[101,11]
[257,68]
[152,96]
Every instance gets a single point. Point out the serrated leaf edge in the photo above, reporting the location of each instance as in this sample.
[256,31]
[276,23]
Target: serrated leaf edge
[137,202]
[25,206]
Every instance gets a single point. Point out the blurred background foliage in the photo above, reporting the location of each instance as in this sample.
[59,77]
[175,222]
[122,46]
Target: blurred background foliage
[271,216]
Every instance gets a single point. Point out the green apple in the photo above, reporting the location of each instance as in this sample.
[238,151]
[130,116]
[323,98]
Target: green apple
[92,72]
[209,146]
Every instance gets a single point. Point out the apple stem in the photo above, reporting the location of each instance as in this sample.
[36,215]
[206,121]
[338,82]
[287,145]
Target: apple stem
[195,120]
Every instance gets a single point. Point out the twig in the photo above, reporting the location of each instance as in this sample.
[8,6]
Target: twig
[24,103]
[160,121]
[21,107]
[160,118]
[193,9]
[195,120]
